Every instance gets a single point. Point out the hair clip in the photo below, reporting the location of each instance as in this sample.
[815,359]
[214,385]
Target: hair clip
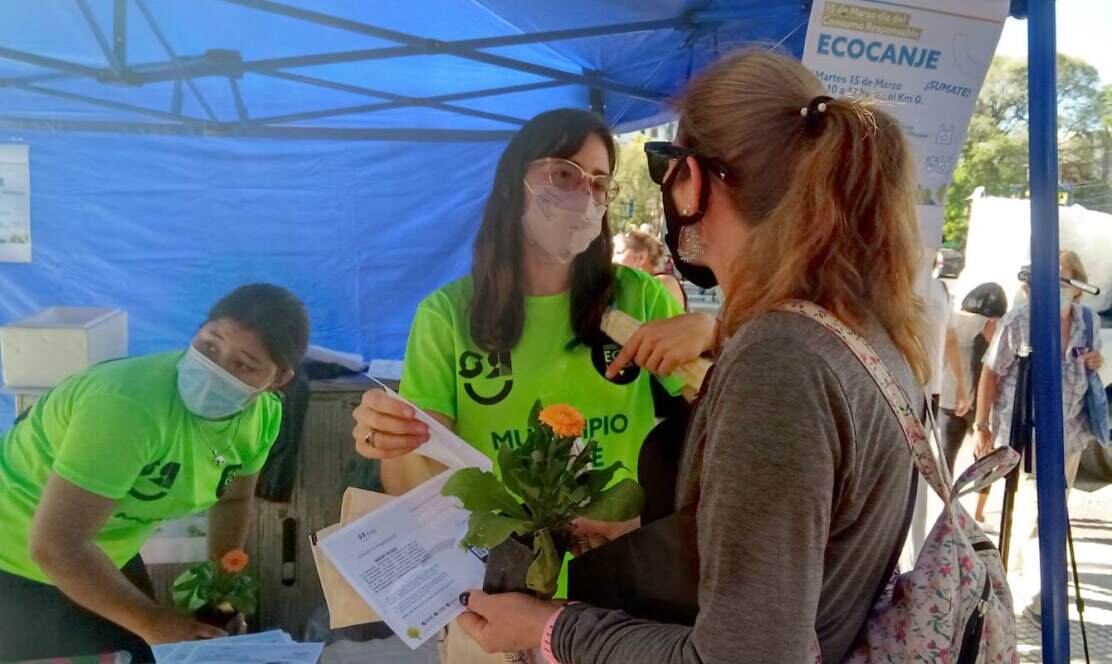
[816,105]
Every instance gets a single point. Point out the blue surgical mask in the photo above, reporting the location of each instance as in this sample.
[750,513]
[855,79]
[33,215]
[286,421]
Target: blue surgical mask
[208,390]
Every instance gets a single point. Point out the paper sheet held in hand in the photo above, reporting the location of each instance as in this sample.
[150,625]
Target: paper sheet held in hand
[404,559]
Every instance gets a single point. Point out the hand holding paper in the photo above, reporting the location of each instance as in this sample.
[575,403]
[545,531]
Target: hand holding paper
[398,559]
[387,427]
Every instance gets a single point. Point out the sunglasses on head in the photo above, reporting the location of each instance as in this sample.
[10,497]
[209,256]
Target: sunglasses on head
[661,155]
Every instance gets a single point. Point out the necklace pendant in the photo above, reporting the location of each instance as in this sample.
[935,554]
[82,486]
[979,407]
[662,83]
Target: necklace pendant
[218,458]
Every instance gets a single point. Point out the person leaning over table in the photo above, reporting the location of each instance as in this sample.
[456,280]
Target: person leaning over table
[796,465]
[110,453]
[525,325]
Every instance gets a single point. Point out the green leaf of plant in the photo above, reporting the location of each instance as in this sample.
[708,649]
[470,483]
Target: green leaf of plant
[578,495]
[545,568]
[529,486]
[489,530]
[621,502]
[586,456]
[597,480]
[535,415]
[481,491]
[515,474]
[185,584]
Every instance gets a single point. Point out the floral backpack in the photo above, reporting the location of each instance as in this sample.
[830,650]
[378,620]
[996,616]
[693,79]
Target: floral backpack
[955,606]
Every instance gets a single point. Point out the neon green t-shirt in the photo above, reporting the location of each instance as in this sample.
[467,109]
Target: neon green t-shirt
[489,395]
[121,431]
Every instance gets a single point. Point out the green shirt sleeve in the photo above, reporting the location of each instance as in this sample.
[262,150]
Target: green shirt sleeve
[270,422]
[108,441]
[659,304]
[428,375]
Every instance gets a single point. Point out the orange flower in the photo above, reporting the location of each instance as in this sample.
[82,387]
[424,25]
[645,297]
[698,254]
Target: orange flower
[564,420]
[234,561]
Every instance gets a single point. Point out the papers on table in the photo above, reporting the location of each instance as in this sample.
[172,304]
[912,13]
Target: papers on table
[275,647]
[405,561]
[444,445]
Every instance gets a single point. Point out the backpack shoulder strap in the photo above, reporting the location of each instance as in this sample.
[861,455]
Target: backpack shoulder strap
[914,433]
[1087,316]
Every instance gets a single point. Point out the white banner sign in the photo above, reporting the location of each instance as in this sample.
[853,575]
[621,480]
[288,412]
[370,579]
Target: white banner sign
[15,204]
[924,60]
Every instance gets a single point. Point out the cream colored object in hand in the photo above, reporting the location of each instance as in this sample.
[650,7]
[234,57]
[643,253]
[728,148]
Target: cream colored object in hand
[345,606]
[620,327]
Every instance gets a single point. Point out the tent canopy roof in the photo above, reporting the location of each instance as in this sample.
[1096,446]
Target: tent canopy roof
[434,70]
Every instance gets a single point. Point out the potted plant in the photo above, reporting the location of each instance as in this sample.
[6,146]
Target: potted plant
[218,592]
[524,514]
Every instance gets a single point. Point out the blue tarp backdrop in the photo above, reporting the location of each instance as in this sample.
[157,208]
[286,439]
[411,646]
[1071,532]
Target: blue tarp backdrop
[343,149]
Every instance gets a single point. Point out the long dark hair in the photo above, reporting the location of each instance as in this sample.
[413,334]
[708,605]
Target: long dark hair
[498,303]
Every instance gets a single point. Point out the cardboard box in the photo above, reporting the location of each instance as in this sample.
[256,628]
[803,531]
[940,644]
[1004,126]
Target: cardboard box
[58,342]
[345,606]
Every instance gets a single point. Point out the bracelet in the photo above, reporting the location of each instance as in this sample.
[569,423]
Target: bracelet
[981,427]
[546,640]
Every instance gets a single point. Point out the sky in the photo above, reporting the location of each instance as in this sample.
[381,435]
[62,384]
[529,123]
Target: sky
[1083,31]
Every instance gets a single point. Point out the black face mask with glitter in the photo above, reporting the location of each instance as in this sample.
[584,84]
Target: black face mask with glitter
[674,222]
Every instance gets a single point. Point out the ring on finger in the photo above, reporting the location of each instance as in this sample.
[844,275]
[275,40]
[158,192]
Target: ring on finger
[370,438]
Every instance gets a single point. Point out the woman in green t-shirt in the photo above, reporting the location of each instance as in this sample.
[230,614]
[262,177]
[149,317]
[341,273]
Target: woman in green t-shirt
[525,324]
[100,461]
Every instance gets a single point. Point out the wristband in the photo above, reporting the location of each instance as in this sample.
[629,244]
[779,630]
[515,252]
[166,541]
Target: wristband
[546,640]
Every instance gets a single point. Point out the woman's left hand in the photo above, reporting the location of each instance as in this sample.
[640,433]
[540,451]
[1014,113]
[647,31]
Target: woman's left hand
[662,346]
[507,622]
[1093,360]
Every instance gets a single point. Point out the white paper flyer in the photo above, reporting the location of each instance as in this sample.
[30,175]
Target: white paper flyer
[15,204]
[405,560]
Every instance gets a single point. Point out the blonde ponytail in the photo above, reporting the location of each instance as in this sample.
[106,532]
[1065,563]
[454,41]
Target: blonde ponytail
[829,191]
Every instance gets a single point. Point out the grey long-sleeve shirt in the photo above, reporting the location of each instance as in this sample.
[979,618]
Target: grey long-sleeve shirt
[801,478]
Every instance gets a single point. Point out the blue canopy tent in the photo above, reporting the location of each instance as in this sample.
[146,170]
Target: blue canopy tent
[344,150]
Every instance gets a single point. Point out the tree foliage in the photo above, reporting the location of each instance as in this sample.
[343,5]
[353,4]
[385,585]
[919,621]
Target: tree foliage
[995,152]
[639,201]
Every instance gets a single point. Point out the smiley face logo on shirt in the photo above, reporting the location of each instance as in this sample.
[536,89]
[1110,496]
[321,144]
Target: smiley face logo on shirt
[479,370]
[155,481]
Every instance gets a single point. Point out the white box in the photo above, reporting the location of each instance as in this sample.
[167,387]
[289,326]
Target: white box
[58,342]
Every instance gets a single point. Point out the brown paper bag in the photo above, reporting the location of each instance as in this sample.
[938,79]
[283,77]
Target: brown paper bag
[345,606]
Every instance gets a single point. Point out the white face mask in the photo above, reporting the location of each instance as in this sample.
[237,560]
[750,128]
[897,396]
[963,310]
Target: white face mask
[562,224]
[208,390]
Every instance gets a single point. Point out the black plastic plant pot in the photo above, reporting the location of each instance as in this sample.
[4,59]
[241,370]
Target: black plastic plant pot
[508,564]
[508,567]
[210,615]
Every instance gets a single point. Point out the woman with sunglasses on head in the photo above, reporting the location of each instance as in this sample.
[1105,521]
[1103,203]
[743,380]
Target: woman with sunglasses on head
[525,324]
[795,465]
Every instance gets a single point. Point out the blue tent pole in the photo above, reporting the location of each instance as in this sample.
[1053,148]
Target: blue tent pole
[1046,330]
